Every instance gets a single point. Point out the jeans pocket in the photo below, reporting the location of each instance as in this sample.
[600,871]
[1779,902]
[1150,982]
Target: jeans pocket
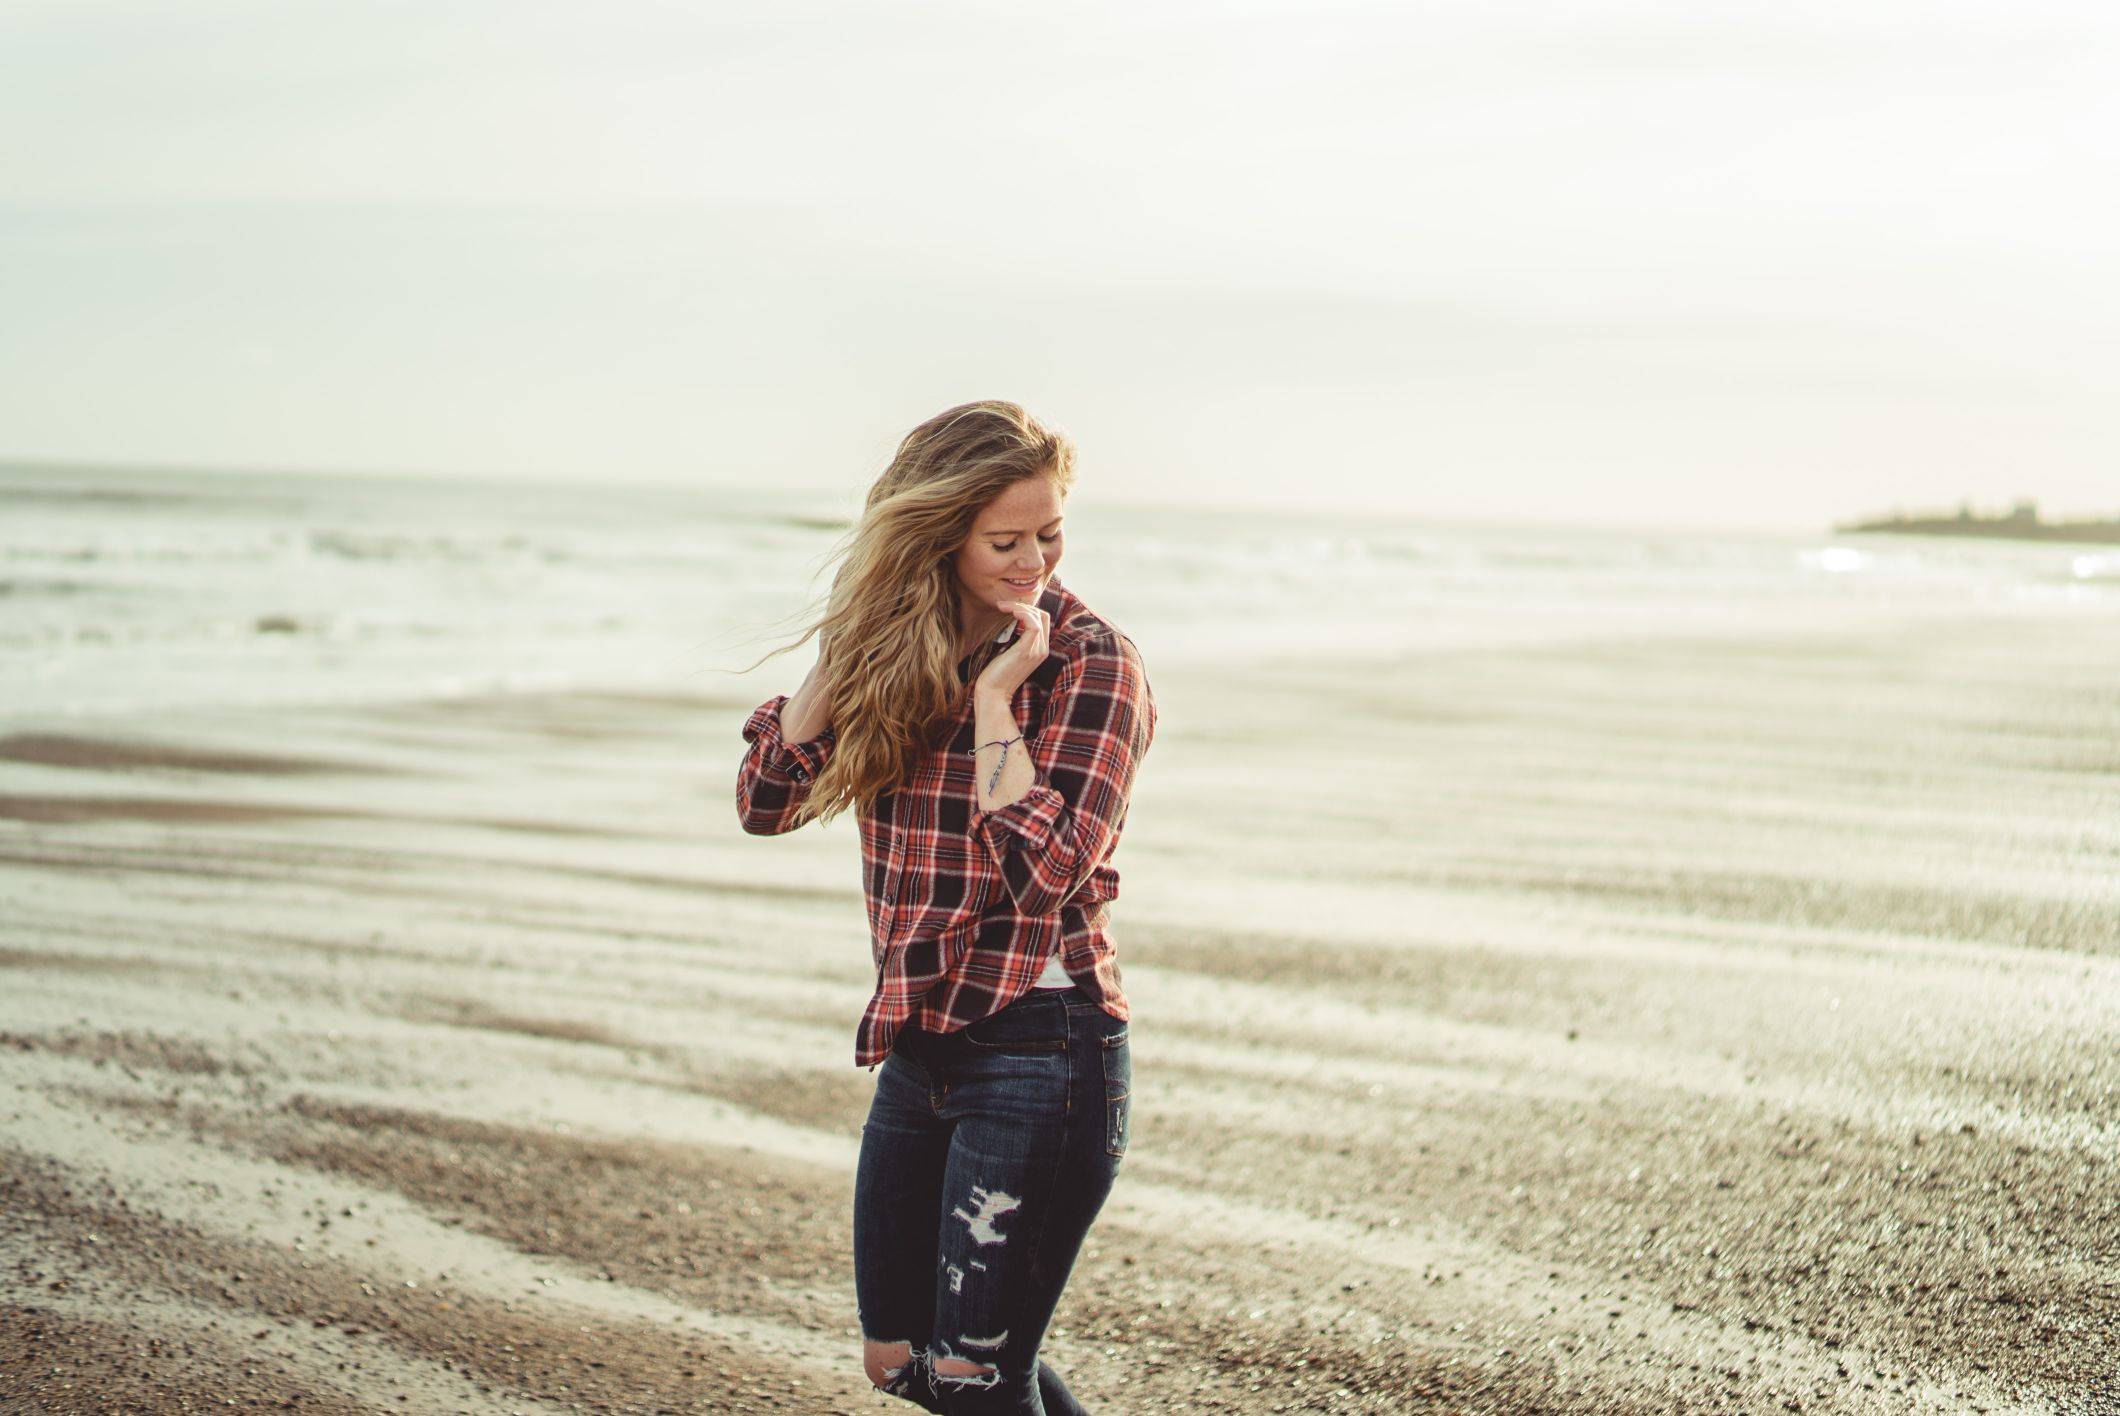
[1118,1089]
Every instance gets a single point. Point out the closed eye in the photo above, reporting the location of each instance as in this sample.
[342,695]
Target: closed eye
[1012,545]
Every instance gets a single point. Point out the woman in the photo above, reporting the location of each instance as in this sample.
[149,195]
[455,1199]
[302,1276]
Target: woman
[986,727]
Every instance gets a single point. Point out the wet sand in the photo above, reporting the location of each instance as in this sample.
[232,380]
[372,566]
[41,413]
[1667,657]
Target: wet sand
[1717,1021]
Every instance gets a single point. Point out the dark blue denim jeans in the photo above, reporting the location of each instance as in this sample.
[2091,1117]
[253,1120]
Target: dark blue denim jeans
[986,1154]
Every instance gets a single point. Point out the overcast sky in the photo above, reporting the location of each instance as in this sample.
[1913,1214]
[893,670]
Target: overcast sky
[1681,263]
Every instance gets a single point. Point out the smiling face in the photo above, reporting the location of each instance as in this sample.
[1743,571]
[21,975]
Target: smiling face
[1012,552]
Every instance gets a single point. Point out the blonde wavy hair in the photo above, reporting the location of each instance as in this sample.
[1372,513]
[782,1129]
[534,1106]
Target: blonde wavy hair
[888,635]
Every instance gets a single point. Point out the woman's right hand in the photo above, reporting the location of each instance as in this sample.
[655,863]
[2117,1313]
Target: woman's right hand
[805,714]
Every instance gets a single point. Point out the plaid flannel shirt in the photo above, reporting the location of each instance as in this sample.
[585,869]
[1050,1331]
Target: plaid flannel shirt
[965,905]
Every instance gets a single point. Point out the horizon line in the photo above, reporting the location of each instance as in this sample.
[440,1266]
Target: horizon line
[10,462]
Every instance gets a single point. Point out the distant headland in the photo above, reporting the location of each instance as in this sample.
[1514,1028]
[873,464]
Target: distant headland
[2020,523]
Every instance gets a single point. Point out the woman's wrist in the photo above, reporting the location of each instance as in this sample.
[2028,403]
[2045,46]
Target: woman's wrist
[1002,773]
[804,716]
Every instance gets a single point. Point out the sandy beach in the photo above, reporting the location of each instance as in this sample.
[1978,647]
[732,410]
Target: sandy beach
[1699,1021]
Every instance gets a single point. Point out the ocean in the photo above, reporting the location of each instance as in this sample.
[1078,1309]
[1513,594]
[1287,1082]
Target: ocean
[127,589]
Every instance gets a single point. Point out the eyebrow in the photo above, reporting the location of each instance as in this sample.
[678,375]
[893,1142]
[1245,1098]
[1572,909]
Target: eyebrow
[1010,531]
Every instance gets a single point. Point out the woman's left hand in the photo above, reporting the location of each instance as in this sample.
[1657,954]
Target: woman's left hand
[1024,654]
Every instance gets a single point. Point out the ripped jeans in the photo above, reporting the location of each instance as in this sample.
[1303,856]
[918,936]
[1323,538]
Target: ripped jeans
[986,1154]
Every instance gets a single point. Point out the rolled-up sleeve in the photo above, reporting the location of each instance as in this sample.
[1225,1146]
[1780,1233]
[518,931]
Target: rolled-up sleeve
[1099,720]
[775,776]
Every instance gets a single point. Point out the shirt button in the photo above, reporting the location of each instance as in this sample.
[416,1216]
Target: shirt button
[799,773]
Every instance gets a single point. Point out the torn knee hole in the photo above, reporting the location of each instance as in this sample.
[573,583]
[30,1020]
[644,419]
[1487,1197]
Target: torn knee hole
[887,1363]
[956,1371]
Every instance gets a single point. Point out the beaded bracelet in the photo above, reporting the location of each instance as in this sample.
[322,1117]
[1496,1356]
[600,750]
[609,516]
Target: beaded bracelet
[995,780]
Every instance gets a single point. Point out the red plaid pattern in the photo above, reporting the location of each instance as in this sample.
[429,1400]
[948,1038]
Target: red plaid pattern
[965,905]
